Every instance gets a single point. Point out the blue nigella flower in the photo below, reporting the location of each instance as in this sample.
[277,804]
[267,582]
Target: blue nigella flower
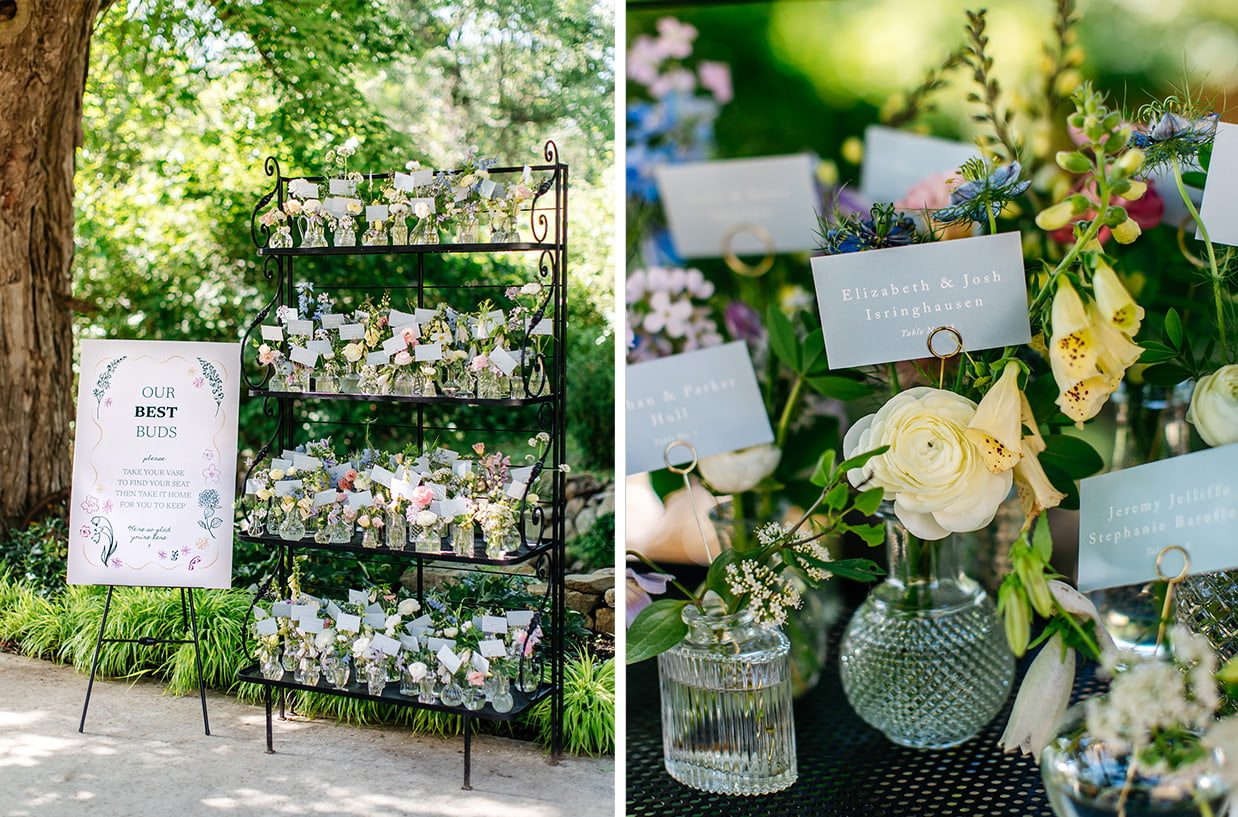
[975,200]
[1173,127]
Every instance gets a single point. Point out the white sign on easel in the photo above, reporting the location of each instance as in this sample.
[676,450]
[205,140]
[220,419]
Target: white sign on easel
[154,464]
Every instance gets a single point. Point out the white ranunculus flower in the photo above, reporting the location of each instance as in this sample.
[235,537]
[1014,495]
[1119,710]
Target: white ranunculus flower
[408,607]
[738,471]
[1214,406]
[932,471]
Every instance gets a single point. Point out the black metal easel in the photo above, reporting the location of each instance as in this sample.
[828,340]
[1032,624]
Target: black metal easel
[189,621]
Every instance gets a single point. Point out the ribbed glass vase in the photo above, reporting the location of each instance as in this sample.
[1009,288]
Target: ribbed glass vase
[727,722]
[1207,603]
[923,658]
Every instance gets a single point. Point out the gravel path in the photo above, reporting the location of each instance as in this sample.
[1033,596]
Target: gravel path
[144,755]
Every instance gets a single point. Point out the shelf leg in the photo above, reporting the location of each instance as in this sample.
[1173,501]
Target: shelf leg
[270,693]
[197,654]
[468,753]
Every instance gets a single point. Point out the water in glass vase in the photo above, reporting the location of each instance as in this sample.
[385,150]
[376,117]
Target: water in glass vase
[727,721]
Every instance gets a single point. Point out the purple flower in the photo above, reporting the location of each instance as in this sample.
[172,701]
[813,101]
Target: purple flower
[107,506]
[743,322]
[116,563]
[639,586]
[163,554]
[90,504]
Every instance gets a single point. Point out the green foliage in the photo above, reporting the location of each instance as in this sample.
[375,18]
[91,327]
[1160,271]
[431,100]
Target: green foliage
[595,548]
[588,707]
[38,554]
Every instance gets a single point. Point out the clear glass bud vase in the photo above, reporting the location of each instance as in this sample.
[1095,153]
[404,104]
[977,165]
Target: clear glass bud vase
[727,721]
[924,659]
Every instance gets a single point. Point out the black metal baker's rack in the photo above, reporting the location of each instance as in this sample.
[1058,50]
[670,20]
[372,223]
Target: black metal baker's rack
[540,406]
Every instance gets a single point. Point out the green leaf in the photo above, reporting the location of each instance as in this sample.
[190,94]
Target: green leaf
[859,460]
[872,535]
[782,339]
[1042,539]
[1165,374]
[838,387]
[836,499]
[861,570]
[1071,455]
[656,629]
[868,501]
[715,579]
[825,469]
[1173,328]
[665,483]
[1194,178]
[814,353]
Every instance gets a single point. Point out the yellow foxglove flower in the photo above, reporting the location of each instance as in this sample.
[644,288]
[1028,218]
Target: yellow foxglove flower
[1114,302]
[1072,348]
[1116,352]
[1135,191]
[1036,493]
[1055,217]
[1127,231]
[1083,399]
[995,428]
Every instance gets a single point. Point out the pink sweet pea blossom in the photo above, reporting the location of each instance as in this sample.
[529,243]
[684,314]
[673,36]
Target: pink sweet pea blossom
[475,677]
[716,77]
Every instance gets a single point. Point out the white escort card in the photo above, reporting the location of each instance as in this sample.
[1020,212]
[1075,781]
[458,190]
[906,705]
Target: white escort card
[450,661]
[379,358]
[300,327]
[708,201]
[1220,204]
[357,596]
[352,331]
[306,462]
[880,306]
[286,487]
[326,497]
[341,187]
[393,344]
[409,182]
[494,624]
[266,626]
[322,347]
[272,333]
[894,160]
[299,354]
[492,648]
[376,212]
[1128,516]
[520,618]
[332,320]
[281,609]
[302,189]
[347,623]
[385,644]
[677,398]
[428,352]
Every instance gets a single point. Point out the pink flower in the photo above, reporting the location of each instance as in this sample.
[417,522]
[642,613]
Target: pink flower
[107,506]
[644,57]
[679,80]
[199,382]
[116,563]
[1146,211]
[402,358]
[676,37]
[422,497]
[479,362]
[479,449]
[90,505]
[409,333]
[86,531]
[716,78]
[475,677]
[266,355]
[930,193]
[208,454]
[211,474]
[531,641]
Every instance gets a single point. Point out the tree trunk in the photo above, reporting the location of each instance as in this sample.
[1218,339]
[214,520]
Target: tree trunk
[44,50]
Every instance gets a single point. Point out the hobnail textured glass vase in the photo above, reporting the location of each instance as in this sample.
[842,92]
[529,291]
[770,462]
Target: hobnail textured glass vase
[1207,604]
[727,721]
[923,659]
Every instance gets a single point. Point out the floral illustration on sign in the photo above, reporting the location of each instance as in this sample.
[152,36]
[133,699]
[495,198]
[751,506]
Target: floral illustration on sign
[101,535]
[90,504]
[211,474]
[208,501]
[217,385]
[104,383]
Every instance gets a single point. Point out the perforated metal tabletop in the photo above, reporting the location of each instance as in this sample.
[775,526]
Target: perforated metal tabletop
[846,768]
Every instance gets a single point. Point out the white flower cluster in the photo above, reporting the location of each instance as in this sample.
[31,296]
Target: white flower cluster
[1148,696]
[769,596]
[666,314]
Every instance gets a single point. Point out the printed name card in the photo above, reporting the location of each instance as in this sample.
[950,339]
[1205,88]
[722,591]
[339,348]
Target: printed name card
[411,181]
[379,358]
[428,352]
[501,358]
[453,507]
[352,331]
[322,347]
[311,625]
[360,499]
[880,306]
[492,648]
[305,462]
[1220,206]
[393,344]
[286,487]
[281,463]
[281,609]
[520,618]
[357,596]
[396,318]
[403,488]
[1128,516]
[332,320]
[480,663]
[324,497]
[385,644]
[333,610]
[409,643]
[708,201]
[347,623]
[341,187]
[487,189]
[894,160]
[449,660]
[267,626]
[376,620]
[421,315]
[272,333]
[428,202]
[381,475]
[300,611]
[376,212]
[516,490]
[677,398]
[493,624]
[303,328]
[299,354]
[302,189]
